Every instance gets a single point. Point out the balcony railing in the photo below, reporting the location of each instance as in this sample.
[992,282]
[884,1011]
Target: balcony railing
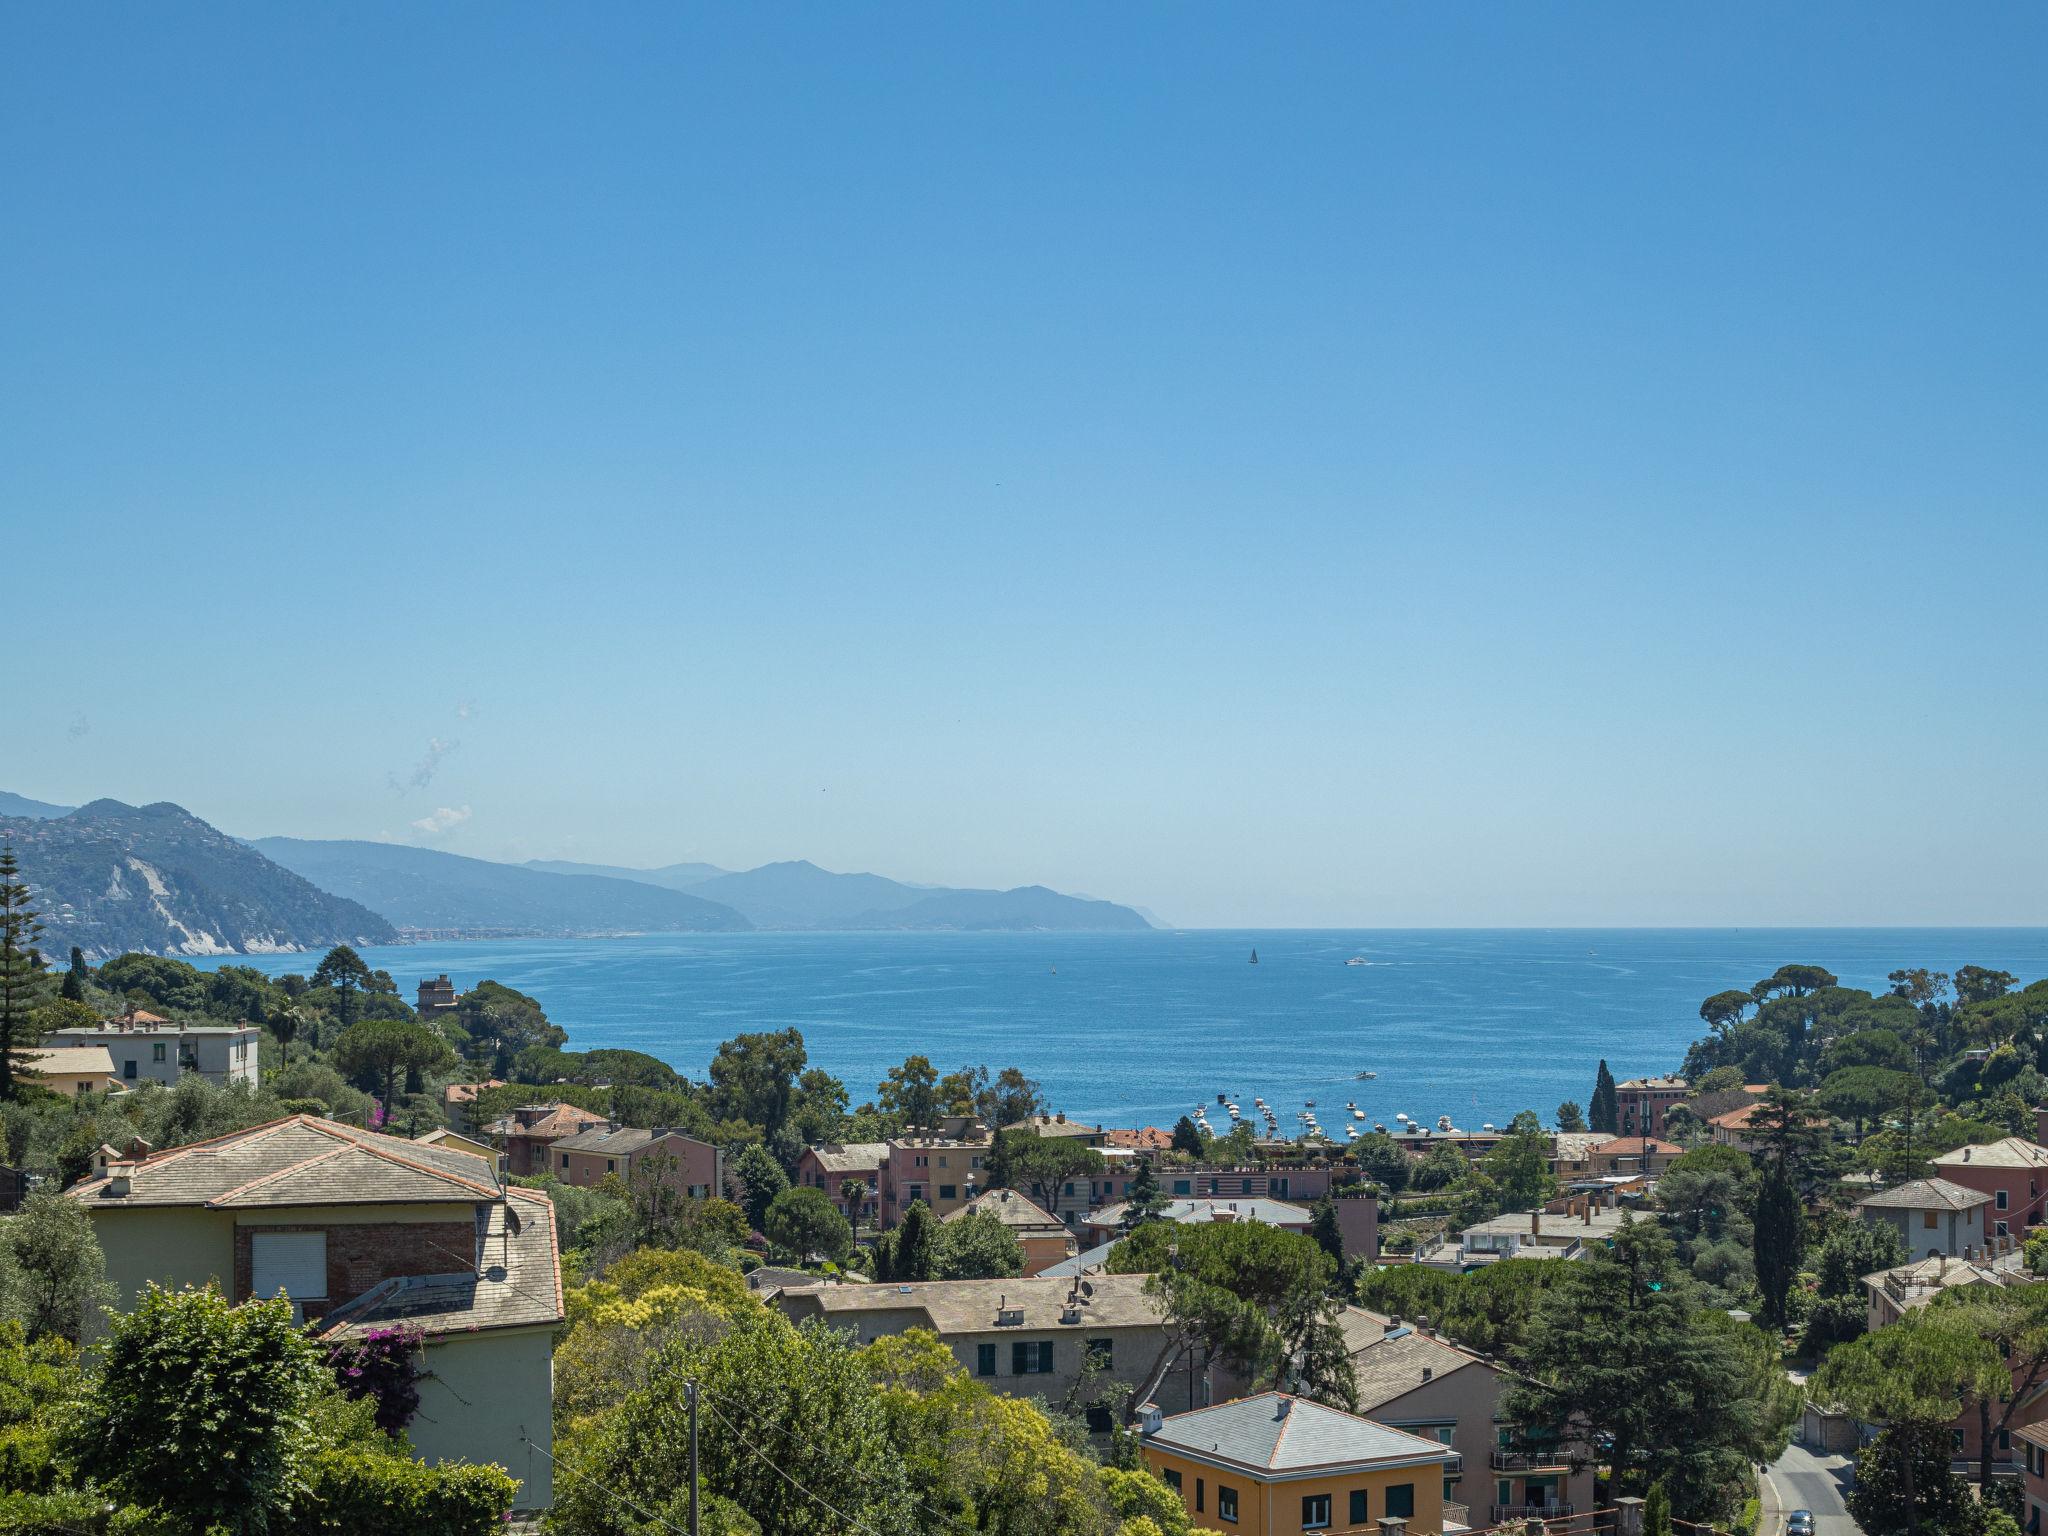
[1457,1514]
[1540,1460]
[1503,1512]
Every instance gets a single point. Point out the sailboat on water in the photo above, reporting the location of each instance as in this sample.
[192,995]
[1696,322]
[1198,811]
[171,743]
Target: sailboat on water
[1255,957]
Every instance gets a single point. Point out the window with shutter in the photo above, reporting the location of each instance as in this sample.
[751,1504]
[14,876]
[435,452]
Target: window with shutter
[292,1263]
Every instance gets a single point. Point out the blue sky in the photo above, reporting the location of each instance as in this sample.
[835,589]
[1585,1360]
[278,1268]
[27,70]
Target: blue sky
[1337,465]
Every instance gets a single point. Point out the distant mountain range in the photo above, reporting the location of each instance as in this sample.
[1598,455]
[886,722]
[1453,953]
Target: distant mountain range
[798,894]
[676,877]
[21,805]
[110,878]
[424,888]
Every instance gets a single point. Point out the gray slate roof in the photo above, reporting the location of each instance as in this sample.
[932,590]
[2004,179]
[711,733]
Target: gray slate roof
[300,1160]
[1274,1213]
[1019,1212]
[1388,1358]
[514,1280]
[954,1307]
[1277,1432]
[1087,1260]
[852,1157]
[624,1142]
[1926,1194]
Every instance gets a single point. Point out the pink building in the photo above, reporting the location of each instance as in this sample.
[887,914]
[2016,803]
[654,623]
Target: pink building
[2013,1172]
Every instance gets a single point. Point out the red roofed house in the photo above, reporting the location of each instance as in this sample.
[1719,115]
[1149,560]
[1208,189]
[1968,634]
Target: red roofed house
[1146,1138]
[362,1231]
[531,1130]
[1625,1155]
[2013,1172]
[1732,1129]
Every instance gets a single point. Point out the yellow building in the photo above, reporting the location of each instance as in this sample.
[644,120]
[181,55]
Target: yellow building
[70,1069]
[1276,1463]
[455,1141]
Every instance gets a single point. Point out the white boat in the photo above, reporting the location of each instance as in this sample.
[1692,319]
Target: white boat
[1358,1114]
[1358,960]
[1351,1133]
[1366,1077]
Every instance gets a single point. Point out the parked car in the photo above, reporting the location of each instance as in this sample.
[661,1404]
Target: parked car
[1799,1523]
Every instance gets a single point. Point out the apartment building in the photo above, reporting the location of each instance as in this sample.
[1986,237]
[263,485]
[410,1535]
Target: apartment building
[693,1168]
[2013,1172]
[146,1047]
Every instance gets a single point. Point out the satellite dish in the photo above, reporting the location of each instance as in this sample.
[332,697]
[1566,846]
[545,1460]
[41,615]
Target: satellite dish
[1087,1289]
[512,1224]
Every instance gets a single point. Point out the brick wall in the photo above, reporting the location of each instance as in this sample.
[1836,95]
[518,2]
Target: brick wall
[363,1254]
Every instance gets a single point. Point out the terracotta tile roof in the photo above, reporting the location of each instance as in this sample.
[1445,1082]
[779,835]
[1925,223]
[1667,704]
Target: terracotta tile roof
[465,1093]
[1625,1146]
[1146,1138]
[1278,1433]
[300,1160]
[1738,1119]
[562,1120]
[511,1280]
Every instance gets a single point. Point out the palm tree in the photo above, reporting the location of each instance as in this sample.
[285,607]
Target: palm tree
[855,1193]
[286,1024]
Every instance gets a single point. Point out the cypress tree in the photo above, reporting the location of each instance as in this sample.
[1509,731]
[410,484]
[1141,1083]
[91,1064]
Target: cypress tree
[1324,1229]
[19,963]
[912,1256]
[1605,1110]
[74,979]
[1145,1201]
[1779,1242]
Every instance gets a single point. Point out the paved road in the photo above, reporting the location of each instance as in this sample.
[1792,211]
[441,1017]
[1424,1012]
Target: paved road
[1799,1479]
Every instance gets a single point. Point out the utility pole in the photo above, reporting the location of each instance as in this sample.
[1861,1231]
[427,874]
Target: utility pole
[690,1391]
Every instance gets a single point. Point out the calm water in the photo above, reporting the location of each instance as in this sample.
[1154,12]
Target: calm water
[1138,1028]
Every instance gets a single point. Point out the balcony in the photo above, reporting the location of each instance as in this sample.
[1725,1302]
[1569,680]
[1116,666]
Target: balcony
[1457,1515]
[1505,1512]
[1543,1459]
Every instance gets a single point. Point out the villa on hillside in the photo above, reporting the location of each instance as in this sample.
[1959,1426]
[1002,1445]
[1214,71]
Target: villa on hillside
[528,1132]
[146,1047]
[692,1167]
[1034,1337]
[361,1231]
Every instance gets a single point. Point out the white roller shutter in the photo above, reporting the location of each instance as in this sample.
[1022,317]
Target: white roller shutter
[292,1262]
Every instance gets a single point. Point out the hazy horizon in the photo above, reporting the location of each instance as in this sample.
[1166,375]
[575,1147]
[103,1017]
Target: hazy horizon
[1341,468]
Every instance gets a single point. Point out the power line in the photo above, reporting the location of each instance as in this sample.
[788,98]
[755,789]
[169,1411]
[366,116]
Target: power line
[603,1487]
[769,1462]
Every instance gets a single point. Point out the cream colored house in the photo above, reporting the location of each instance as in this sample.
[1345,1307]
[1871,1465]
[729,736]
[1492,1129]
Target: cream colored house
[70,1069]
[1026,1337]
[362,1231]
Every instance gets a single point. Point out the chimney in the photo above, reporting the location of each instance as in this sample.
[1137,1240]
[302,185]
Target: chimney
[1281,1408]
[1588,1209]
[1535,1223]
[1149,1418]
[1393,1525]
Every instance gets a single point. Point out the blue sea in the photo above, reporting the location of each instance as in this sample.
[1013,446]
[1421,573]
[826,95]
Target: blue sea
[1138,1028]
